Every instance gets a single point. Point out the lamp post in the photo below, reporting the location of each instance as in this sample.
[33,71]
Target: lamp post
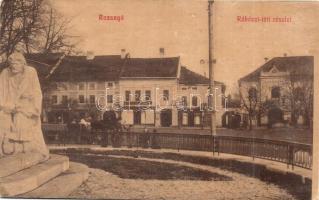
[211,70]
[211,77]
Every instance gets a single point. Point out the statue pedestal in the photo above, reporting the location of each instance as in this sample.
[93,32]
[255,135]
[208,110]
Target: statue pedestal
[23,176]
[12,164]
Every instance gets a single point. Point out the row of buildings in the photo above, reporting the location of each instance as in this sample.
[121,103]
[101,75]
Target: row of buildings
[161,92]
[156,92]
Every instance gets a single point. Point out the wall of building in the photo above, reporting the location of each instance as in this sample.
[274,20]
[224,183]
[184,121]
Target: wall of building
[73,89]
[266,83]
[148,116]
[156,86]
[94,93]
[201,92]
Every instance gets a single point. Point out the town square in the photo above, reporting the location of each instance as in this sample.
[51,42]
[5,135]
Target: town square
[165,99]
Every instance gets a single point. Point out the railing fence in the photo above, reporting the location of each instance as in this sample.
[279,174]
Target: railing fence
[293,154]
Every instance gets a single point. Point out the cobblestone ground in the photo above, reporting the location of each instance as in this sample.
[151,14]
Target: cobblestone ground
[104,185]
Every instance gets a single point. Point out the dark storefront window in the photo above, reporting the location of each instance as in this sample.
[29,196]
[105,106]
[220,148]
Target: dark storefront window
[81,99]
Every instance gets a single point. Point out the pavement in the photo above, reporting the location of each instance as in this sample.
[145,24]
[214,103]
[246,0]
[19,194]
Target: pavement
[300,135]
[103,184]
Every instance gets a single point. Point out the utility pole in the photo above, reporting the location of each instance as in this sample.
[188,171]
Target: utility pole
[211,70]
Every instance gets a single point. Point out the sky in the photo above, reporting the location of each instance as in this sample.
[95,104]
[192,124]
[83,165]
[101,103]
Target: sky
[181,27]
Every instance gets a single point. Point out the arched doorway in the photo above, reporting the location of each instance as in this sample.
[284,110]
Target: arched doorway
[166,118]
[275,92]
[275,115]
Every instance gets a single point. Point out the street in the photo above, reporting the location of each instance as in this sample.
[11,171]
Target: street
[299,135]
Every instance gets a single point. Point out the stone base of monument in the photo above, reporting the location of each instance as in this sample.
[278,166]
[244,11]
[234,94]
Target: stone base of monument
[54,178]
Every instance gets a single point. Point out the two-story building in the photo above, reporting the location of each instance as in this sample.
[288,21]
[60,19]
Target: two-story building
[143,91]
[193,91]
[149,88]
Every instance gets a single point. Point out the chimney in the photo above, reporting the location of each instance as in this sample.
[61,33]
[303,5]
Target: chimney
[89,55]
[266,59]
[123,53]
[162,52]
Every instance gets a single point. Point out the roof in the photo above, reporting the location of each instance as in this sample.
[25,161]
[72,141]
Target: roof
[297,66]
[78,68]
[109,67]
[150,67]
[188,77]
[42,63]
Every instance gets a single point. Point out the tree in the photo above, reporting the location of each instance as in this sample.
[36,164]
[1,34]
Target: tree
[249,99]
[53,36]
[300,93]
[302,102]
[34,25]
[231,101]
[20,21]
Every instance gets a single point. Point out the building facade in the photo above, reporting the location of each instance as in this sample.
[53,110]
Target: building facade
[280,91]
[143,91]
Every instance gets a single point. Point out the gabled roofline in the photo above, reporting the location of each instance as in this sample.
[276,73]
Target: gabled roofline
[260,69]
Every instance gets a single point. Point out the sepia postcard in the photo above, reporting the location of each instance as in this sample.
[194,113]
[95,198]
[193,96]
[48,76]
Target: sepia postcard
[159,99]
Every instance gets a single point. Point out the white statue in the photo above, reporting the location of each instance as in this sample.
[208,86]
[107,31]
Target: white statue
[20,109]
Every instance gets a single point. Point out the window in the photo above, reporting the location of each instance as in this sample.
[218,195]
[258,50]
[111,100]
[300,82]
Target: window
[148,95]
[184,88]
[127,95]
[72,86]
[184,100]
[110,84]
[64,99]
[194,88]
[298,94]
[81,99]
[92,86]
[92,99]
[137,95]
[54,99]
[166,94]
[81,86]
[194,101]
[63,86]
[109,98]
[275,92]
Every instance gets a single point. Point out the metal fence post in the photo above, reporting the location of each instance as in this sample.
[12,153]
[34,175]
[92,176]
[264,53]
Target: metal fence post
[178,143]
[218,145]
[213,137]
[253,149]
[292,157]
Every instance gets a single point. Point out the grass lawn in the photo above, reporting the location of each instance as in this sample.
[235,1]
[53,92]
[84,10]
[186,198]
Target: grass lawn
[139,169]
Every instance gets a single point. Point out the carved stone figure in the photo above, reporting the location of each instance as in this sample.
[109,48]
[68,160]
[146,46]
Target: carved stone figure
[20,109]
